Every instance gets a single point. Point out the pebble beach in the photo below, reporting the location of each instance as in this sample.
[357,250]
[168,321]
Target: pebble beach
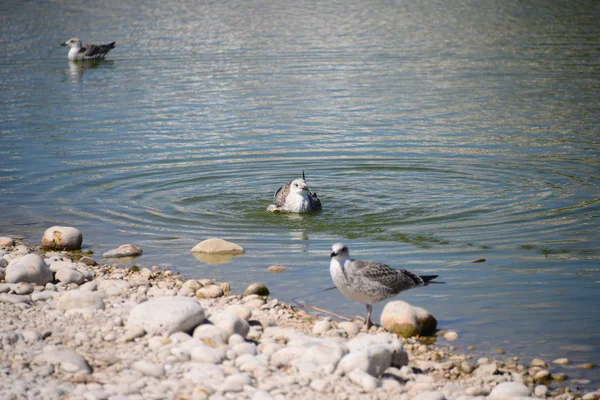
[76,326]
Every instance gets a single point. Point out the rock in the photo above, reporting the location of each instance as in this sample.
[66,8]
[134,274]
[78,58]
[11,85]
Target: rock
[277,268]
[212,332]
[239,311]
[559,376]
[426,320]
[166,315]
[400,318]
[537,362]
[542,376]
[14,298]
[90,286]
[366,381]
[191,285]
[207,354]
[81,300]
[540,391]
[450,335]
[22,288]
[373,360]
[6,287]
[561,361]
[6,241]
[507,390]
[209,292]
[88,261]
[585,366]
[148,368]
[486,370]
[30,268]
[256,288]
[389,340]
[230,323]
[430,395]
[62,238]
[126,250]
[68,360]
[321,327]
[350,328]
[217,246]
[42,296]
[68,275]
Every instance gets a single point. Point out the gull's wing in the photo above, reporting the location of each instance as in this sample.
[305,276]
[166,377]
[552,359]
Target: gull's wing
[396,280]
[95,52]
[281,194]
[315,203]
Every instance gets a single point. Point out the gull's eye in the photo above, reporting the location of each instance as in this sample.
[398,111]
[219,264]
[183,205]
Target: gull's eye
[295,184]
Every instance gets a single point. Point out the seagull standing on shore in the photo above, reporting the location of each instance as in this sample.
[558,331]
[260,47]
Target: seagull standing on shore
[368,281]
[295,197]
[89,51]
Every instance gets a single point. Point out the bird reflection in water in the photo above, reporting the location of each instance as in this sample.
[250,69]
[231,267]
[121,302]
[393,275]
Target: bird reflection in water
[77,68]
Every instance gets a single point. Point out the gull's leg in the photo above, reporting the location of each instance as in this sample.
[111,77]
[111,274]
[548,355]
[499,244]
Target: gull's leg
[369,310]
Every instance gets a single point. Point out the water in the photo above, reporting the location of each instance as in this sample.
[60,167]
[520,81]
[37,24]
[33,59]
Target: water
[436,133]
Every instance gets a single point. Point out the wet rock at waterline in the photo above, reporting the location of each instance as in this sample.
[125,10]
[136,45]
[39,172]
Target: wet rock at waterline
[62,238]
[405,320]
[126,250]
[218,246]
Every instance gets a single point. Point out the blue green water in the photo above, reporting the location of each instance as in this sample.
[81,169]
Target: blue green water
[435,133]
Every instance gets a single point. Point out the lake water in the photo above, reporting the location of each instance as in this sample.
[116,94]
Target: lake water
[435,132]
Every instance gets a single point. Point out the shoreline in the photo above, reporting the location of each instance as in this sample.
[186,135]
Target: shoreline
[74,338]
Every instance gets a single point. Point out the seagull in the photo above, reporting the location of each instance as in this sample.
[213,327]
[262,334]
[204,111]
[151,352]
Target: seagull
[89,51]
[295,197]
[368,281]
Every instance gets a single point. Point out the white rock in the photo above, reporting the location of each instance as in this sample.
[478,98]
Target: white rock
[321,327]
[126,250]
[205,374]
[81,300]
[244,348]
[14,298]
[90,286]
[148,368]
[6,241]
[209,292]
[42,296]
[69,360]
[62,238]
[239,311]
[364,341]
[230,323]
[262,395]
[350,328]
[508,390]
[166,315]
[31,336]
[69,275]
[374,360]
[286,355]
[540,391]
[210,331]
[363,379]
[217,246]
[450,335]
[430,395]
[22,288]
[29,268]
[326,352]
[207,354]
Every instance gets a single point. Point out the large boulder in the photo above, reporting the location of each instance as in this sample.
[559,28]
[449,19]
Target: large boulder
[167,315]
[401,318]
[29,268]
[509,390]
[217,246]
[62,238]
[81,300]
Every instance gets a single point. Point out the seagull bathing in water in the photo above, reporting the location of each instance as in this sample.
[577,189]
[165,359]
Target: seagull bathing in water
[368,281]
[87,52]
[295,197]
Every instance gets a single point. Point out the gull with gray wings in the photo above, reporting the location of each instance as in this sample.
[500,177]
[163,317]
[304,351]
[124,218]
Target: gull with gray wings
[370,282]
[79,52]
[295,197]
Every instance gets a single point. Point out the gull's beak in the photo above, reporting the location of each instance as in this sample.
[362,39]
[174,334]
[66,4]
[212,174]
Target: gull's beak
[63,44]
[333,254]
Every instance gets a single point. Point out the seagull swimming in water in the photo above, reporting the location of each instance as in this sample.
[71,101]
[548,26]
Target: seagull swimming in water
[368,281]
[295,197]
[87,52]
